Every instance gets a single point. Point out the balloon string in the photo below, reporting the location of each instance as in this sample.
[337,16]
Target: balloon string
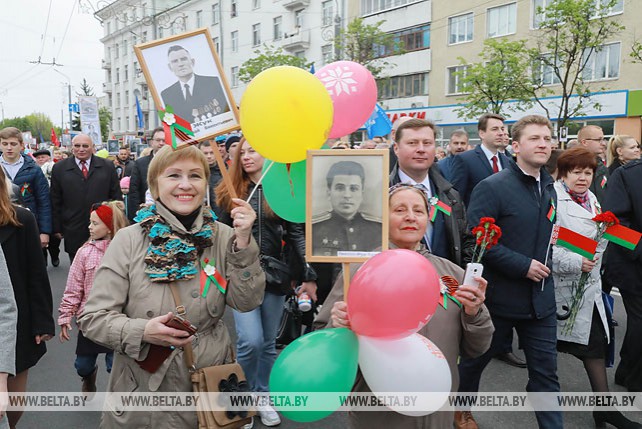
[260,180]
[288,167]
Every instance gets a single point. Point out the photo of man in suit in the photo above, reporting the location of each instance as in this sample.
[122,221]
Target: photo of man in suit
[193,97]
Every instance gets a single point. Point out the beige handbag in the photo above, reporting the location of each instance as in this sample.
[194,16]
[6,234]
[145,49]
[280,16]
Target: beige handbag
[213,379]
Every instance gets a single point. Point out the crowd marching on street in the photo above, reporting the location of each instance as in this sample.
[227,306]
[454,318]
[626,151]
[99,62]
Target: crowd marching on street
[133,229]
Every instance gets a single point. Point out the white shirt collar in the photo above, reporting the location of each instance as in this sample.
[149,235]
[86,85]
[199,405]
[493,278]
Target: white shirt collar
[19,161]
[87,161]
[490,155]
[404,178]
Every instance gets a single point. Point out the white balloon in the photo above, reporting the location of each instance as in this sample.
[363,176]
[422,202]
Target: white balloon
[410,364]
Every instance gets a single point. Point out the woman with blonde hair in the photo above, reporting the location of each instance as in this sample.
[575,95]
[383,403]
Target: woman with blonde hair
[174,242]
[622,149]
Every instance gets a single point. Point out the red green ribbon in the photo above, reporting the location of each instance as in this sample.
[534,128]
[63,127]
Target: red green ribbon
[24,189]
[207,280]
[437,205]
[179,128]
[451,285]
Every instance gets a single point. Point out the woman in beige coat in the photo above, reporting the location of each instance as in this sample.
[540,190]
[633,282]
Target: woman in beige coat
[456,330]
[131,299]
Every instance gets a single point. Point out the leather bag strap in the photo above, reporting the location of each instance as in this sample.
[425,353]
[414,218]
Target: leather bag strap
[180,310]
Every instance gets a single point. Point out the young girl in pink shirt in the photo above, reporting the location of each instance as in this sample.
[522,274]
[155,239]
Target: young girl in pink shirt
[105,220]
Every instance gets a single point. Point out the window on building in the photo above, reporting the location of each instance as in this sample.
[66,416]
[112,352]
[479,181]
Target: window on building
[235,41]
[235,76]
[117,75]
[602,63]
[116,50]
[327,13]
[126,73]
[256,4]
[108,28]
[326,54]
[216,44]
[372,6]
[298,18]
[455,75]
[199,18]
[256,34]
[144,36]
[277,25]
[160,32]
[144,9]
[108,56]
[300,54]
[233,9]
[216,13]
[410,39]
[460,28]
[126,98]
[411,85]
[125,49]
[601,6]
[543,73]
[502,20]
[539,11]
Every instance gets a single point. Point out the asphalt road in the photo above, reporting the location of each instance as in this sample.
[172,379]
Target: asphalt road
[55,372]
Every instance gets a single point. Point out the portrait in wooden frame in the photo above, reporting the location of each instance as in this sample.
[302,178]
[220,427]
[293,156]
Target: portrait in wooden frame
[184,71]
[347,205]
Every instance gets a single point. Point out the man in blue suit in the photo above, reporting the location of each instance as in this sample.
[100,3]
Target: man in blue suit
[470,168]
[520,292]
[193,97]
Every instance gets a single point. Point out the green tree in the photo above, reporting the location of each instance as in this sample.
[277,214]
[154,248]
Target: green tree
[39,124]
[502,74]
[367,45]
[20,123]
[267,57]
[636,52]
[104,115]
[570,33]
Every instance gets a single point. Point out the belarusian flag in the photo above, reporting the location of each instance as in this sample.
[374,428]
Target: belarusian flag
[625,237]
[574,242]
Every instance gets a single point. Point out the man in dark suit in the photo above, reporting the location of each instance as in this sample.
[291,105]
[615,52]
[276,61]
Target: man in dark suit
[77,183]
[592,138]
[470,168]
[193,97]
[138,180]
[521,293]
[414,146]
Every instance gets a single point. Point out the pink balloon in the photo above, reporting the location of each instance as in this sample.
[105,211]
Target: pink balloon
[354,94]
[393,295]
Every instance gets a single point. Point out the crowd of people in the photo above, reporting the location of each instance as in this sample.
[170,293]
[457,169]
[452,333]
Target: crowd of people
[185,219]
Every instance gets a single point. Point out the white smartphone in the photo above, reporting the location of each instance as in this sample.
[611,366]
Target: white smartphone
[473,270]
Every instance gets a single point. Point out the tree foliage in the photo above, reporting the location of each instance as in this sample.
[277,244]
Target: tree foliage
[104,116]
[267,57]
[38,124]
[501,74]
[636,52]
[367,45]
[572,31]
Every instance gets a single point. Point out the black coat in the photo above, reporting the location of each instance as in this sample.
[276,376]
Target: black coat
[624,199]
[451,238]
[600,179]
[138,185]
[513,200]
[72,197]
[21,247]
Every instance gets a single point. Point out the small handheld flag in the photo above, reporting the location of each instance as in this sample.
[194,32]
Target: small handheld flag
[574,242]
[625,237]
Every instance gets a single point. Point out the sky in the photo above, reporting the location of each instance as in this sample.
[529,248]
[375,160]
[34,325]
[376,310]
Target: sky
[29,30]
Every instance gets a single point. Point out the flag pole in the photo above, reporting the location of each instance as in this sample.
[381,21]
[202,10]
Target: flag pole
[260,180]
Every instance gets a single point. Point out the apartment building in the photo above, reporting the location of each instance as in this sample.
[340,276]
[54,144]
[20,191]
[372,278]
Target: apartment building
[459,28]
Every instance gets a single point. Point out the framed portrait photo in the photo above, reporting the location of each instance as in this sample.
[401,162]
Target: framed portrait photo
[184,72]
[347,205]
[113,146]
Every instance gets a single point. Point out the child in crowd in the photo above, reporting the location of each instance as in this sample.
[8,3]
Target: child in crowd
[105,220]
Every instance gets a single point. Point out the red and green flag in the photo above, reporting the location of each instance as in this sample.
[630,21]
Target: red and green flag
[209,275]
[551,211]
[574,242]
[437,205]
[625,237]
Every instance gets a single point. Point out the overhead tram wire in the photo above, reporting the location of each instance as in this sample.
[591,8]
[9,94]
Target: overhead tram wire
[62,41]
[44,36]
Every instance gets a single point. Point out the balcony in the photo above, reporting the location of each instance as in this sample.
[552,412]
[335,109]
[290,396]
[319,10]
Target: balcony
[107,64]
[107,88]
[144,105]
[140,78]
[296,4]
[298,41]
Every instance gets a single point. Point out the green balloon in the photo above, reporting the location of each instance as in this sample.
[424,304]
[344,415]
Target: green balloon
[284,188]
[322,361]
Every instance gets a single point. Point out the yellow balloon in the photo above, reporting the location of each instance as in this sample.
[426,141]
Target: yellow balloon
[285,111]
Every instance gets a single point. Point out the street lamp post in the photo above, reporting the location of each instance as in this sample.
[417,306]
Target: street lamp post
[68,92]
